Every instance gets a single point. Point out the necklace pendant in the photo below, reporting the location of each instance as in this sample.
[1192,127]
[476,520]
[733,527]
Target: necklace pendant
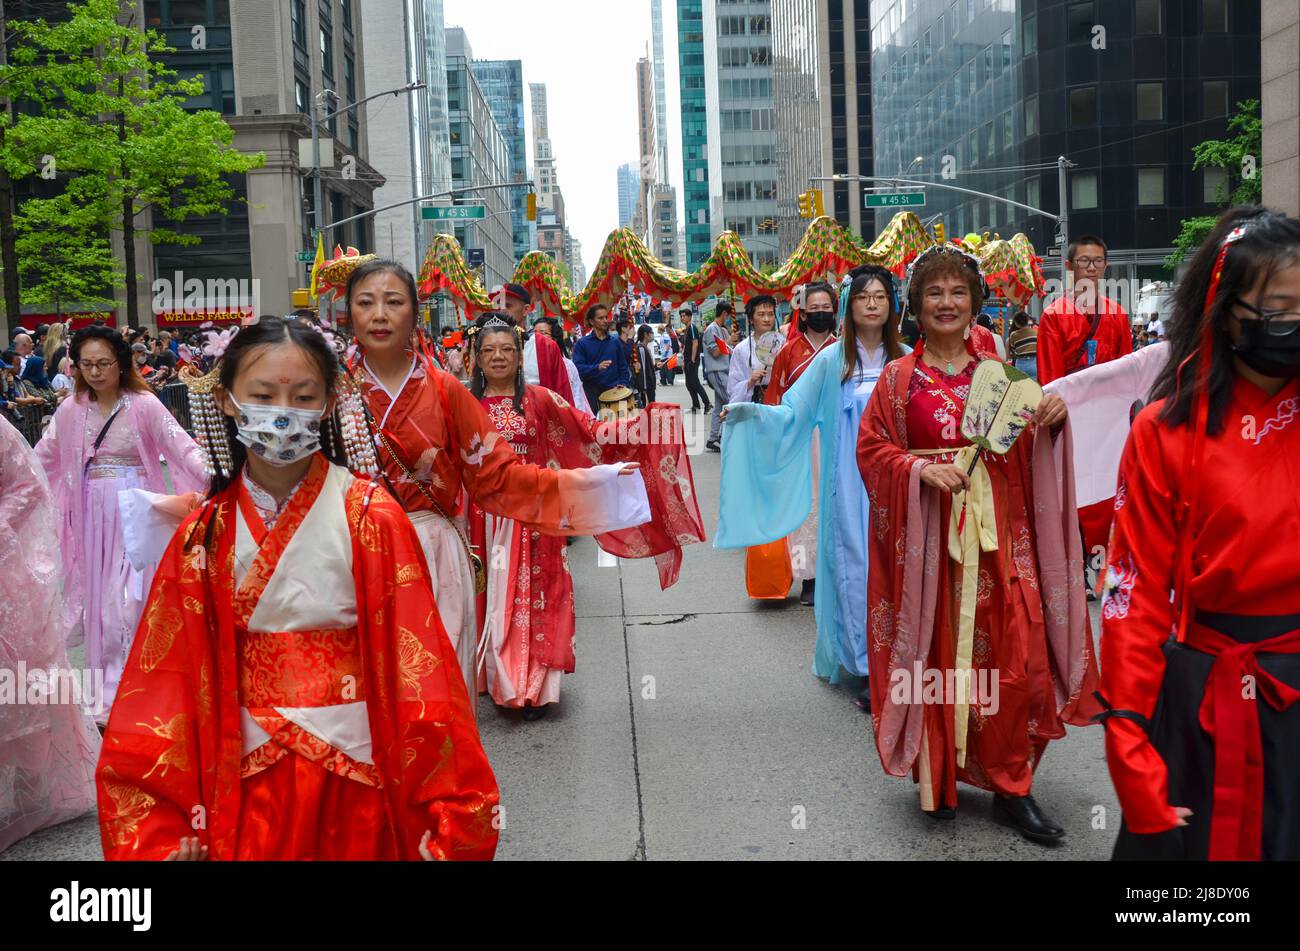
[951,371]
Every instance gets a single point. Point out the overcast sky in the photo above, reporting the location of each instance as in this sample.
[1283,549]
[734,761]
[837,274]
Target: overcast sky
[586,52]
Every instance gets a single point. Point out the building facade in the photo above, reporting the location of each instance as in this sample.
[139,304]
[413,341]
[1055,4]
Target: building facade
[991,96]
[263,65]
[695,158]
[821,80]
[502,82]
[480,156]
[410,144]
[741,122]
[629,180]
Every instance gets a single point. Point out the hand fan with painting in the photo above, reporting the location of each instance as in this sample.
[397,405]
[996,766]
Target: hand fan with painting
[1001,405]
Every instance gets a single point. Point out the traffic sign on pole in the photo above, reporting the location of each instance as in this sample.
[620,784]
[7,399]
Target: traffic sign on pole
[306,255]
[453,213]
[475,257]
[894,199]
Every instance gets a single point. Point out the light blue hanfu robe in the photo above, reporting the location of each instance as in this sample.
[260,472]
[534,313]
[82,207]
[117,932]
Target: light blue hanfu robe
[767,493]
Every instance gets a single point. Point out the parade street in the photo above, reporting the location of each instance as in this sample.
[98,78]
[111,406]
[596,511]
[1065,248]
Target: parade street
[740,754]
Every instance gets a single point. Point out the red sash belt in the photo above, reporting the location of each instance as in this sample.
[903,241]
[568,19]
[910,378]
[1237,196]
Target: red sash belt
[1230,715]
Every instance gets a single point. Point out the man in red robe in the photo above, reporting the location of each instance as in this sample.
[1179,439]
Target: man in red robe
[1084,328]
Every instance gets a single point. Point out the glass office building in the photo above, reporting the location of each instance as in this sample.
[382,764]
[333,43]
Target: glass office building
[695,157]
[991,92]
[502,82]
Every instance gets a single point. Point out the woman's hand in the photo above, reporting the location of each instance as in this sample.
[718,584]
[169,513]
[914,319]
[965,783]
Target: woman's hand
[189,851]
[629,468]
[757,376]
[1051,411]
[945,477]
[424,846]
[1182,812]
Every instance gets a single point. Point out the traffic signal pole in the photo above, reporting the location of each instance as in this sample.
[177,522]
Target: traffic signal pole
[1062,220]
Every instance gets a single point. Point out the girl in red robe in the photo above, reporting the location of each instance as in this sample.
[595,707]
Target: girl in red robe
[528,606]
[1202,725]
[976,575]
[291,692]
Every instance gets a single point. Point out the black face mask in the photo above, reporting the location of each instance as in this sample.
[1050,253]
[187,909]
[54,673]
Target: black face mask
[1277,357]
[819,322]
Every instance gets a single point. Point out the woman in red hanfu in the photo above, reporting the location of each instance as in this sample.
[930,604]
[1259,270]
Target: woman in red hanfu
[528,606]
[435,443]
[1203,723]
[971,576]
[291,693]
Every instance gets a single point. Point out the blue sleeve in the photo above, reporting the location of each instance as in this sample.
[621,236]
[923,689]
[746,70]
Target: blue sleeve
[766,488]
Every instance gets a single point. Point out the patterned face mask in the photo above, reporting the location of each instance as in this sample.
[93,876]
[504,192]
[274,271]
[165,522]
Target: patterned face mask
[279,435]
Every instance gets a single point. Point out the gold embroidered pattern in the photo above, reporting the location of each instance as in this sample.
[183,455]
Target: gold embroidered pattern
[413,663]
[177,754]
[161,627]
[131,806]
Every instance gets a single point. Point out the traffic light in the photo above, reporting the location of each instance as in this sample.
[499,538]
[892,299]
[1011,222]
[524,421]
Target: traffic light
[805,205]
[532,206]
[818,209]
[938,232]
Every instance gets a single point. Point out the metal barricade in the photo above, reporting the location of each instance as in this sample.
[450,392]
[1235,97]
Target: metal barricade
[27,420]
[176,398]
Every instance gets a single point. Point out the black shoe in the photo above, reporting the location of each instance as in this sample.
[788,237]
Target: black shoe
[712,447]
[944,812]
[709,408]
[1023,814]
[536,713]
[863,700]
[807,592]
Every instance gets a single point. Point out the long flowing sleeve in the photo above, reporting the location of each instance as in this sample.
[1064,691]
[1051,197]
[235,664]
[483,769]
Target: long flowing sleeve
[185,458]
[767,463]
[158,770]
[567,502]
[422,728]
[1137,619]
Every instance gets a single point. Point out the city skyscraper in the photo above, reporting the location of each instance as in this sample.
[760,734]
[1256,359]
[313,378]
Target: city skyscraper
[741,118]
[821,83]
[629,180]
[502,81]
[661,92]
[480,155]
[695,159]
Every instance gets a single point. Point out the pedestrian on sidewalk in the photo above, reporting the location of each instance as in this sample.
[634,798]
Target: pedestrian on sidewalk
[690,356]
[716,343]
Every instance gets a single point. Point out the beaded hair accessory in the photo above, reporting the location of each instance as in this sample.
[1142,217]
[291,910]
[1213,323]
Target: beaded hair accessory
[347,424]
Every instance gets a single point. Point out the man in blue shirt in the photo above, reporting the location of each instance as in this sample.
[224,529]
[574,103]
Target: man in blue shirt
[599,357]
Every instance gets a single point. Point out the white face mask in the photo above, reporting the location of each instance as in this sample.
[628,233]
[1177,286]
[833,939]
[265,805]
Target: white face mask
[278,435]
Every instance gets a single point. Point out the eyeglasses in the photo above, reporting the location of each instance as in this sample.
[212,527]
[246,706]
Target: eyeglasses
[871,298]
[1277,323]
[102,366]
[1089,262]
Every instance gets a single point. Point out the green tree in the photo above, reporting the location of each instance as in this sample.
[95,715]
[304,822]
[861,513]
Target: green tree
[64,256]
[1239,156]
[113,123]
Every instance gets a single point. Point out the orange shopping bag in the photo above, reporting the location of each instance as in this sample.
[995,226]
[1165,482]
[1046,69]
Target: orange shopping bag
[768,574]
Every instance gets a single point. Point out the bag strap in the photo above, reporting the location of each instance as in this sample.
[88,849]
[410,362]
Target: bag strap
[103,433]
